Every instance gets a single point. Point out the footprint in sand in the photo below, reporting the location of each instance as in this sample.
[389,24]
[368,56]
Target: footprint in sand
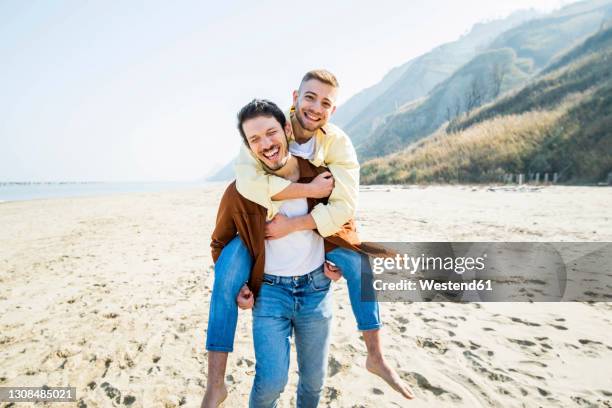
[245,361]
[455,318]
[111,392]
[527,374]
[493,374]
[587,341]
[527,343]
[107,364]
[334,367]
[402,320]
[331,394]
[476,387]
[533,362]
[6,340]
[458,343]
[432,320]
[517,320]
[429,343]
[543,392]
[420,382]
[570,345]
[592,347]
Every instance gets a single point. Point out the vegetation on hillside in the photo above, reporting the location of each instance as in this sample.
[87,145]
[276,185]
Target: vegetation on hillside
[477,82]
[361,114]
[587,65]
[541,40]
[510,60]
[561,122]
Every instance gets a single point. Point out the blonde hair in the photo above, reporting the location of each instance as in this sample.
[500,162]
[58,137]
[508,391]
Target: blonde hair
[321,75]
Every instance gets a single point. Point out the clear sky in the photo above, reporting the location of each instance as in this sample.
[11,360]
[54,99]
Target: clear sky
[149,90]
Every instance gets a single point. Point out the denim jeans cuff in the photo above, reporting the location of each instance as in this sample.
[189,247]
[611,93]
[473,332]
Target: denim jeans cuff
[370,327]
[219,348]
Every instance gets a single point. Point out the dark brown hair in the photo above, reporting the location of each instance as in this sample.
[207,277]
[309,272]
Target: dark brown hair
[256,108]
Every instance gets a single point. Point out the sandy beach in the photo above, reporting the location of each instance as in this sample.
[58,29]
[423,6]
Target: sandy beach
[111,294]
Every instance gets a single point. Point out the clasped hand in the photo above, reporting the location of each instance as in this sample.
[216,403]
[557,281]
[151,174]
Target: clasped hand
[245,299]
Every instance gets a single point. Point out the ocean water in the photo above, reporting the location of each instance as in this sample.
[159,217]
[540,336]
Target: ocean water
[32,191]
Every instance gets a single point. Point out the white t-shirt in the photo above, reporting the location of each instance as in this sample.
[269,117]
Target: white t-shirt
[297,253]
[304,150]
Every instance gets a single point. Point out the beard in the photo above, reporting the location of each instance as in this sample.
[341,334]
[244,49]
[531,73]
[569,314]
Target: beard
[279,164]
[300,119]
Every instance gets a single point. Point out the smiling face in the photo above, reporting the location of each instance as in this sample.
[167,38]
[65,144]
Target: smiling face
[266,138]
[314,103]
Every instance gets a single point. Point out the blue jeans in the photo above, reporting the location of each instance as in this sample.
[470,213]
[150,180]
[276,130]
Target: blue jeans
[350,264]
[301,305]
[232,270]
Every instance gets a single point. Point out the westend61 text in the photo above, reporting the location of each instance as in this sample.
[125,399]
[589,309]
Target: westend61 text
[430,284]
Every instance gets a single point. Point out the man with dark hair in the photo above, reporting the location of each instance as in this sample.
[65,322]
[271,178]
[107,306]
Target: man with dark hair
[310,137]
[287,277]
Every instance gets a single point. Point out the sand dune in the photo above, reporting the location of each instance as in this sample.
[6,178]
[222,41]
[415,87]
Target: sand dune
[110,295]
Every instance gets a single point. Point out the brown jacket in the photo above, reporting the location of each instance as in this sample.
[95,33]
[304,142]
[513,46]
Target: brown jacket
[237,215]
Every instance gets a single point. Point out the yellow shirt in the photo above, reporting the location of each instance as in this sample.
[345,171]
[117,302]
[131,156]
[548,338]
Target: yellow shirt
[334,150]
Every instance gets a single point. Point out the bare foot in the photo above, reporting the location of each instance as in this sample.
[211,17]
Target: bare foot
[378,366]
[214,397]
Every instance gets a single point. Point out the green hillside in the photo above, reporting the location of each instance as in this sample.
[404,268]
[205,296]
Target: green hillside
[541,39]
[357,103]
[415,78]
[470,86]
[554,84]
[560,122]
[515,55]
